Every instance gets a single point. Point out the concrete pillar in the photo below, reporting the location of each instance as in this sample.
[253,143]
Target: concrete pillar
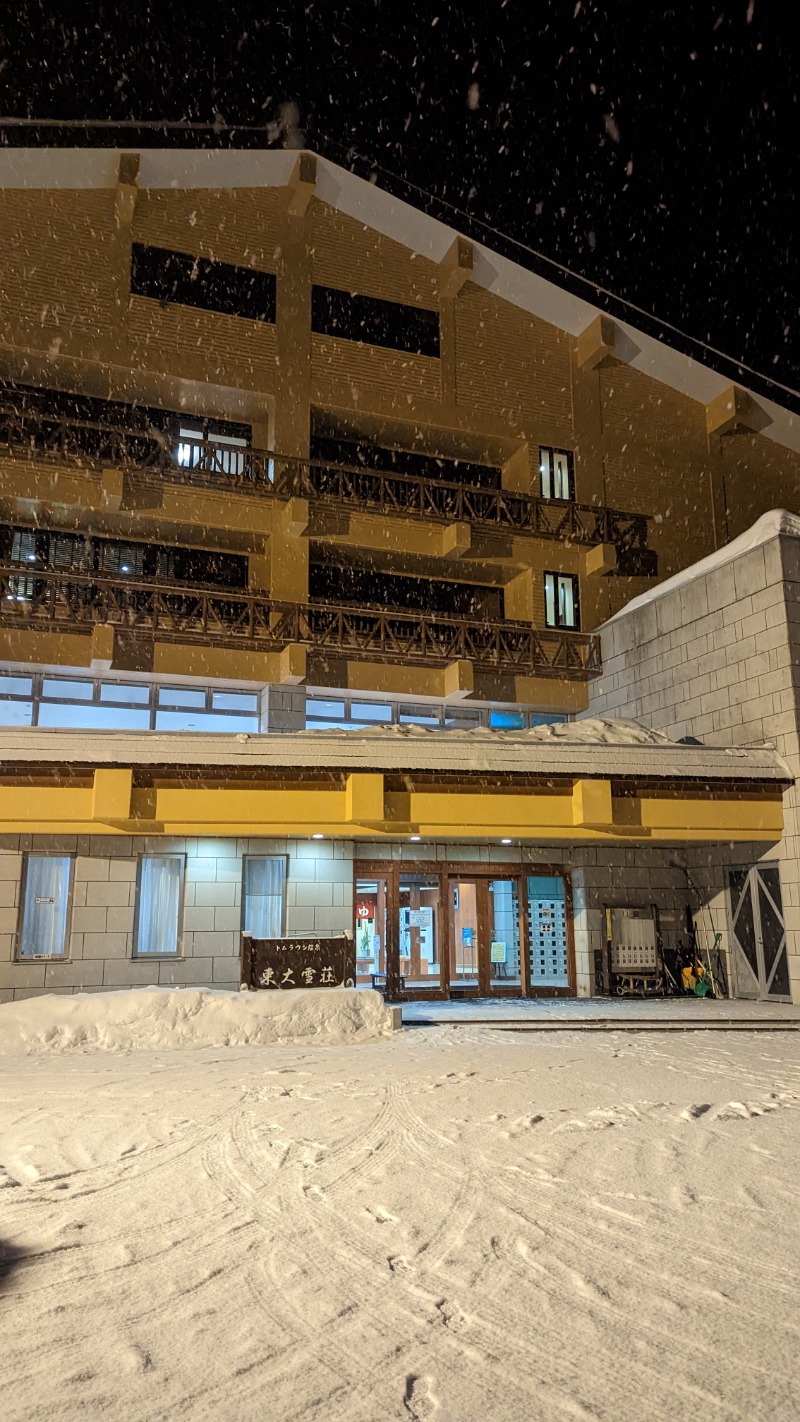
[283,708]
[293,333]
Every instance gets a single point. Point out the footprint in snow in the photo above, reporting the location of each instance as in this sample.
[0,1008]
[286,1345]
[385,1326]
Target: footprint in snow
[420,1402]
[380,1215]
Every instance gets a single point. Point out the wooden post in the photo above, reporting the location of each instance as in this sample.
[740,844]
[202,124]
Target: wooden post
[247,960]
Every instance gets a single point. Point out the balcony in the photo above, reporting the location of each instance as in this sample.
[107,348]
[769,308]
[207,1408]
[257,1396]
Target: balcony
[68,602]
[215,465]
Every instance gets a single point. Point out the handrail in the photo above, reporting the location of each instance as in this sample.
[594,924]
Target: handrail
[216,464]
[36,598]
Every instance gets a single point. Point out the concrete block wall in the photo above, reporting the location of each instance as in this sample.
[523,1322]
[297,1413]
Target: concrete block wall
[719,659]
[670,877]
[319,899]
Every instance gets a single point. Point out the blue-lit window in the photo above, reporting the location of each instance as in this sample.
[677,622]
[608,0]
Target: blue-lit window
[507,720]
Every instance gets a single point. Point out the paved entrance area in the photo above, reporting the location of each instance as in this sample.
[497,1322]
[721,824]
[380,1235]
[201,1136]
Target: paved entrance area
[677,1013]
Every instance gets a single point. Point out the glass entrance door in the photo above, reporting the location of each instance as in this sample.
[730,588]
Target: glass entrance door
[370,931]
[420,966]
[485,939]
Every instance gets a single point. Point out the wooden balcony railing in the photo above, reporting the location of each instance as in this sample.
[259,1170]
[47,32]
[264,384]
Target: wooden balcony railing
[41,600]
[213,464]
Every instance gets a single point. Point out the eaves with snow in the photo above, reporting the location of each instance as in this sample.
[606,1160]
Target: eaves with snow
[224,170]
[576,749]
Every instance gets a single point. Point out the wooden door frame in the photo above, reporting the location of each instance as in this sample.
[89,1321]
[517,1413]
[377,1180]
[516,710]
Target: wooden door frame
[391,869]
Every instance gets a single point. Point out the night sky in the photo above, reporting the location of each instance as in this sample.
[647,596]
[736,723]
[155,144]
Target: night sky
[652,150]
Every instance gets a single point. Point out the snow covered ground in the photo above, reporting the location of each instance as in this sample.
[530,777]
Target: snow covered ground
[448,1224]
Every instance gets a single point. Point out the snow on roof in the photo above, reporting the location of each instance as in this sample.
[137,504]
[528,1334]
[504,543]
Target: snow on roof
[571,749]
[218,169]
[776,523]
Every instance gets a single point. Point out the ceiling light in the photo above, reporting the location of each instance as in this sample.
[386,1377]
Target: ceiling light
[505,841]
[317,836]
[415,838]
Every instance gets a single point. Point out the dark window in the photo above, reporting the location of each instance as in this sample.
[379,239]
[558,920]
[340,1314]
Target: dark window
[376,322]
[390,592]
[194,281]
[556,473]
[561,607]
[362,453]
[76,553]
[635,562]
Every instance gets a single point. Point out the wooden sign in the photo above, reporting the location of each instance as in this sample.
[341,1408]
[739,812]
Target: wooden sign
[298,962]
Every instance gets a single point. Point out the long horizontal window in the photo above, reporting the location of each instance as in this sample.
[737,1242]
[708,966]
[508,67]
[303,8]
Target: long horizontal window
[375,322]
[84,555]
[368,587]
[194,281]
[89,703]
[64,703]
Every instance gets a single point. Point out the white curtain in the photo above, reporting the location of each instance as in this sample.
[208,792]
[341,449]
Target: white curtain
[263,897]
[159,903]
[44,918]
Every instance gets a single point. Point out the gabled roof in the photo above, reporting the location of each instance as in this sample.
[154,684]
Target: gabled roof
[220,169]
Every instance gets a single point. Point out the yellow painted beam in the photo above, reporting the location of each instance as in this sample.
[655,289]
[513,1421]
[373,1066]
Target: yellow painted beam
[363,799]
[309,809]
[592,804]
[676,814]
[48,803]
[587,815]
[444,813]
[111,795]
[600,560]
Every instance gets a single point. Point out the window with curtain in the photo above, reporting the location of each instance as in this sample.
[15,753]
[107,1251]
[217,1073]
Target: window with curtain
[45,906]
[158,904]
[264,885]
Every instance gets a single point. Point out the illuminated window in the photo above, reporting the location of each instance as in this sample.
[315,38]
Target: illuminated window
[561,600]
[555,470]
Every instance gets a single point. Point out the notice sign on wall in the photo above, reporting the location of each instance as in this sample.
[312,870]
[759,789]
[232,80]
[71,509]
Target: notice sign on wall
[298,962]
[498,952]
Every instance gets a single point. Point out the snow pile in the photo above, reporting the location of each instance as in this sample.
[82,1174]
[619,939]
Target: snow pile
[578,733]
[154,1018]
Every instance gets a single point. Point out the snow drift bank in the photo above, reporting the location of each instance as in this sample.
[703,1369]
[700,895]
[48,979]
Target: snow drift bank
[154,1018]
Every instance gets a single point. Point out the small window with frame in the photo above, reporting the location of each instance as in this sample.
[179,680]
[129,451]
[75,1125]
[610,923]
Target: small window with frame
[557,474]
[159,899]
[264,897]
[561,605]
[45,908]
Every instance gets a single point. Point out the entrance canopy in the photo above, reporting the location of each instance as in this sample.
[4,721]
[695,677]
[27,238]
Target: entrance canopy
[583,782]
